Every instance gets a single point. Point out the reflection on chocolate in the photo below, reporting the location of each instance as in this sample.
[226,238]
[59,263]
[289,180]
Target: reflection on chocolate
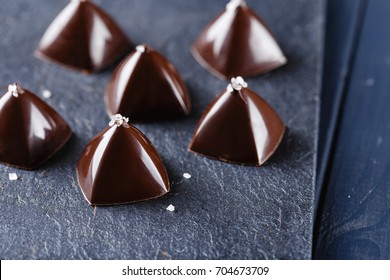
[237,43]
[238,127]
[30,130]
[146,87]
[83,37]
[120,166]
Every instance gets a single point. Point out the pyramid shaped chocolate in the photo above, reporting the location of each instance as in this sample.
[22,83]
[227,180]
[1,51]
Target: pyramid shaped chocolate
[146,87]
[120,166]
[30,130]
[83,37]
[238,127]
[237,43]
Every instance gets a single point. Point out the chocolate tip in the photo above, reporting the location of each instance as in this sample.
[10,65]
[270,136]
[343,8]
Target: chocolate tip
[234,4]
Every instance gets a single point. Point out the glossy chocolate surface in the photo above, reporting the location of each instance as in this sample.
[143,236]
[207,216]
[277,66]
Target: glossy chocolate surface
[83,37]
[30,130]
[121,166]
[146,87]
[238,43]
[238,127]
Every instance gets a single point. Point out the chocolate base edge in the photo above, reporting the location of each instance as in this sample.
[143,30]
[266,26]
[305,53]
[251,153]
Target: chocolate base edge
[206,65]
[238,162]
[151,120]
[199,58]
[66,140]
[122,203]
[40,55]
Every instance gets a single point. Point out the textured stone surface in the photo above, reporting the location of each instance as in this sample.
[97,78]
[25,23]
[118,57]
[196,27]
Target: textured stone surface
[223,211]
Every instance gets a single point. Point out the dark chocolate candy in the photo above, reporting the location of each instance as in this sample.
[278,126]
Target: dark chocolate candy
[238,127]
[238,43]
[83,37]
[30,130]
[146,87]
[120,166]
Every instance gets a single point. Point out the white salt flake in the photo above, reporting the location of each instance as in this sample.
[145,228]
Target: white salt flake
[171,208]
[187,175]
[13,177]
[140,48]
[15,89]
[237,83]
[46,94]
[119,120]
[234,4]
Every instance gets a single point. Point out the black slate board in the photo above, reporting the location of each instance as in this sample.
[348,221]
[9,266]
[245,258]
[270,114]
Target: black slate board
[224,211]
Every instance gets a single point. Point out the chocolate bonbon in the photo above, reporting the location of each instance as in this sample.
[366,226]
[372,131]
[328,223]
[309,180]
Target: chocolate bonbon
[146,87]
[83,37]
[120,165]
[238,127]
[238,43]
[30,130]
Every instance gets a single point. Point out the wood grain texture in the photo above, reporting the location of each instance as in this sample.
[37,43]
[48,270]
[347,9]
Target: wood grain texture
[224,211]
[343,30]
[355,218]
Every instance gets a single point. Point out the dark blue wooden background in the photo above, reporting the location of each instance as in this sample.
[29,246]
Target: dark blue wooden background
[353,174]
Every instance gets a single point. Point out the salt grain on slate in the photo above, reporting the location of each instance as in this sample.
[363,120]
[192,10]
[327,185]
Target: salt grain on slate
[12,176]
[171,208]
[46,94]
[187,175]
